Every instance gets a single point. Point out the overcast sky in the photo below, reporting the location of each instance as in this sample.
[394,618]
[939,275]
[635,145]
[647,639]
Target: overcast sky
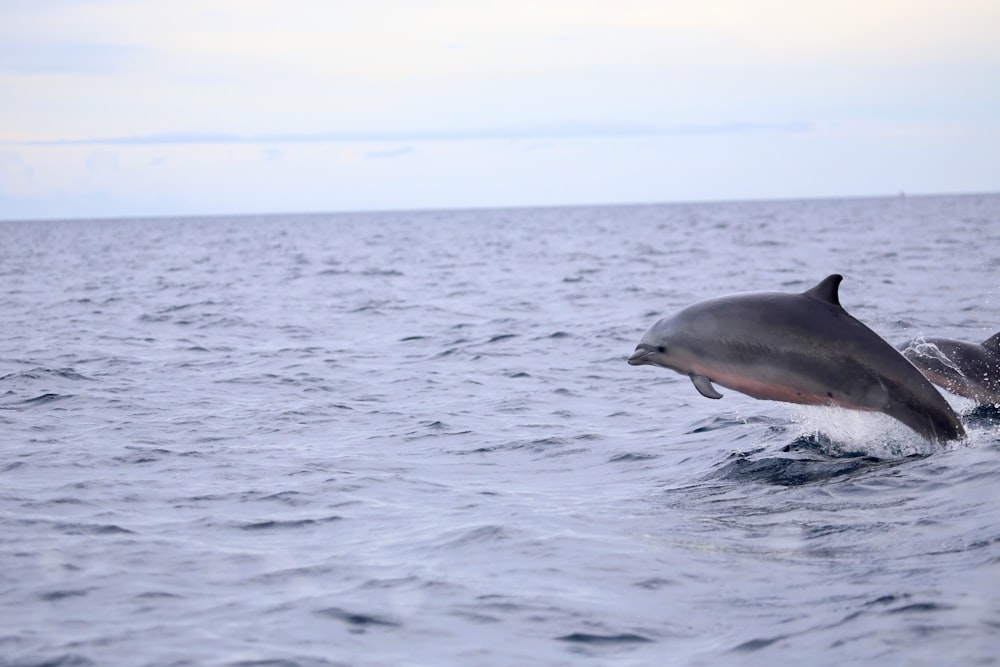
[132,108]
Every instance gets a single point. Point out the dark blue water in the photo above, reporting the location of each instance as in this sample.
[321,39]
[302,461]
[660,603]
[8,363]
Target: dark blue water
[413,439]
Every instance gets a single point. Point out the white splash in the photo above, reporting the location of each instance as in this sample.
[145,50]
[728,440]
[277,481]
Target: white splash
[856,431]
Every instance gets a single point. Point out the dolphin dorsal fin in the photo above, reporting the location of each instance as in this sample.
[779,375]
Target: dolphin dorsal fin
[826,291]
[993,343]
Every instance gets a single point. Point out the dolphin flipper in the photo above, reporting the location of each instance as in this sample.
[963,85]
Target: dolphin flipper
[704,386]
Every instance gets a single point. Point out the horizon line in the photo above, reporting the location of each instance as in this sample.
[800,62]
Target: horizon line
[899,196]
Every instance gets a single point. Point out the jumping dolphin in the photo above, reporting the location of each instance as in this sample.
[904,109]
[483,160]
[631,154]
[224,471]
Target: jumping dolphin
[798,348]
[966,369]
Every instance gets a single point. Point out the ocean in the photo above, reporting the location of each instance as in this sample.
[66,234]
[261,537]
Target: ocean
[412,438]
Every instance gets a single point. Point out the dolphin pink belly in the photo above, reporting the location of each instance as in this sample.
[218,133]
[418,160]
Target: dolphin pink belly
[772,391]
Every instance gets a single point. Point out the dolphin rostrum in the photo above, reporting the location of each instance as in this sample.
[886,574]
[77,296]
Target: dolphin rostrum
[798,348]
[966,369]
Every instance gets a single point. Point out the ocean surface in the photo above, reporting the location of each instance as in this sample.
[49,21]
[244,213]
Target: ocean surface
[413,439]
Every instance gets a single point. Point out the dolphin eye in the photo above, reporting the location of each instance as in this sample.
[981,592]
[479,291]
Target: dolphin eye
[661,349]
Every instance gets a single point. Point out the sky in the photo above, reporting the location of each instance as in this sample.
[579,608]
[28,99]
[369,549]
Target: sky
[122,108]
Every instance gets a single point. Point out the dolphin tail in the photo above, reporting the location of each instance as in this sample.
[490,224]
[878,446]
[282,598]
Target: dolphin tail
[936,423]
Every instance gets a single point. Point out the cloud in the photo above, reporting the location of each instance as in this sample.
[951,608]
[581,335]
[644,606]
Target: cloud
[208,179]
[193,99]
[76,58]
[102,163]
[15,173]
[391,152]
[566,130]
[273,154]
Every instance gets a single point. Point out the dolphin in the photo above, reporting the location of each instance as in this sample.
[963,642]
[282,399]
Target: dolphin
[798,348]
[966,369]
